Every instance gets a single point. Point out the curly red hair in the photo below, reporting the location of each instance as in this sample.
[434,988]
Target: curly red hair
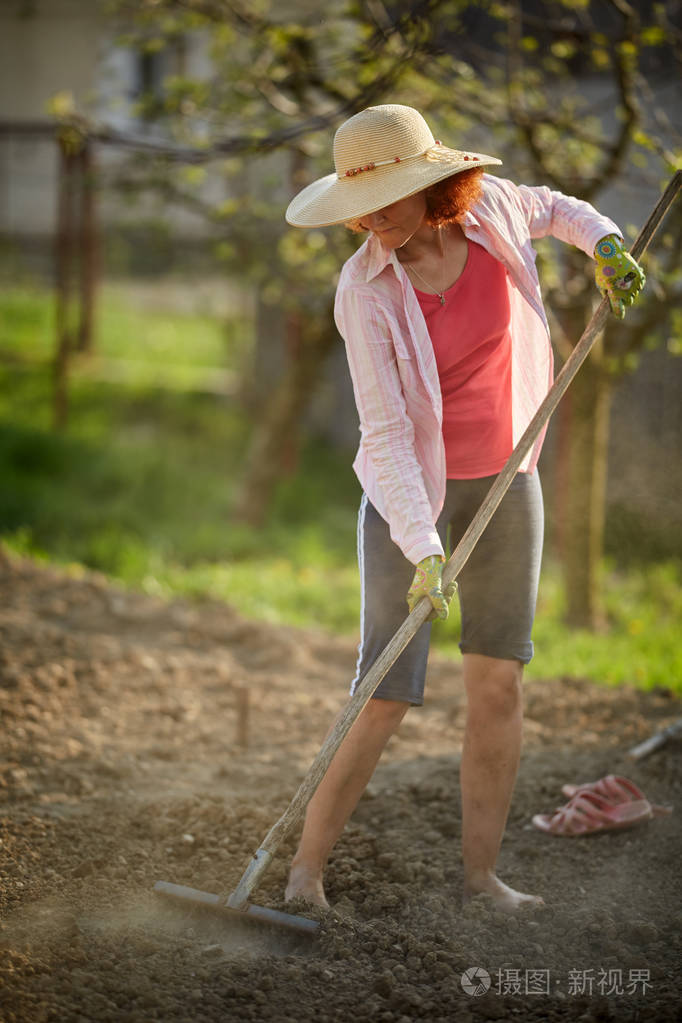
[450,199]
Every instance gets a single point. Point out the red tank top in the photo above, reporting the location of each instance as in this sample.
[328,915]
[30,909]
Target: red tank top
[471,339]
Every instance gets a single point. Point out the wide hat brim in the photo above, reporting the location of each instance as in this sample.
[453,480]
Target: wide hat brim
[334,200]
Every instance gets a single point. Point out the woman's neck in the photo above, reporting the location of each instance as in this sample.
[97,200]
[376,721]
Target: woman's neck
[426,243]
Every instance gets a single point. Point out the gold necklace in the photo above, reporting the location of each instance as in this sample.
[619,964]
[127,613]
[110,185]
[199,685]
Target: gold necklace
[441,293]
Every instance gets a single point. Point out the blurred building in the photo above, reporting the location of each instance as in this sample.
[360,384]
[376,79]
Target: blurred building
[69,52]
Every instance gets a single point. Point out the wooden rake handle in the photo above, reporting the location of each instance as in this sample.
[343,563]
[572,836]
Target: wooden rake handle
[262,858]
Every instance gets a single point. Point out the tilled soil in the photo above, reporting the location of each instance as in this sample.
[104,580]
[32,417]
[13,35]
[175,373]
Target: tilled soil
[128,756]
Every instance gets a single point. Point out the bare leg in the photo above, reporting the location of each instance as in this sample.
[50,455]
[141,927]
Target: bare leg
[338,794]
[490,760]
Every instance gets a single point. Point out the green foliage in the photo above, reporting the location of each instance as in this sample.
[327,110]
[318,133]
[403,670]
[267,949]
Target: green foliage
[279,85]
[272,77]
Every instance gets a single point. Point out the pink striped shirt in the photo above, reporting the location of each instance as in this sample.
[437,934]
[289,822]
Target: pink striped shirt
[401,458]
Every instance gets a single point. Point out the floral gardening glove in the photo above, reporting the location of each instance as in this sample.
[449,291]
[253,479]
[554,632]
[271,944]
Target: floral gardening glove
[428,582]
[617,274]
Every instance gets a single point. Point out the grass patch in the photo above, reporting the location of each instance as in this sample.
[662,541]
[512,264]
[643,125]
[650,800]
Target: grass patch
[135,329]
[640,644]
[140,488]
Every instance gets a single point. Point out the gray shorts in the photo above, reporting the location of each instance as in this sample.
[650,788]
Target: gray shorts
[497,587]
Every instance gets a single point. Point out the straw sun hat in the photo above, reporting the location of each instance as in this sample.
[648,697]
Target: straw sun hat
[382,154]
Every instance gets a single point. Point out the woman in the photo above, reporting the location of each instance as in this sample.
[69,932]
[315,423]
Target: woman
[449,352]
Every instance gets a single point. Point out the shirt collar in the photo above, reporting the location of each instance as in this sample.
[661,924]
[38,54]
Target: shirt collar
[377,258]
[470,220]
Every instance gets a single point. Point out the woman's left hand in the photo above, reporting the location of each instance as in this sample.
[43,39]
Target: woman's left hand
[617,274]
[428,582]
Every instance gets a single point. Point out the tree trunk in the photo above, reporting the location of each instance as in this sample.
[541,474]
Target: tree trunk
[274,445]
[582,475]
[64,256]
[89,250]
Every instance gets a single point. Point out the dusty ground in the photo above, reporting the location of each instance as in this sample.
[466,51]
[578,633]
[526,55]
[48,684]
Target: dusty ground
[123,762]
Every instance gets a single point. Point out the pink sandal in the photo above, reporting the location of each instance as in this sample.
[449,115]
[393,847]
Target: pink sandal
[615,790]
[588,813]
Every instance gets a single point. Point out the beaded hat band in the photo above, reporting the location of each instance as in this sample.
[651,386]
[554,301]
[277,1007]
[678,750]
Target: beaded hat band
[382,154]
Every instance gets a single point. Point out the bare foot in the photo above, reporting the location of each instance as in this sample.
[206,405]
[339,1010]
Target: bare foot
[305,884]
[502,896]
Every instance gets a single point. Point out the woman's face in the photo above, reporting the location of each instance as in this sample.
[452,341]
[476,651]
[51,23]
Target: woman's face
[394,225]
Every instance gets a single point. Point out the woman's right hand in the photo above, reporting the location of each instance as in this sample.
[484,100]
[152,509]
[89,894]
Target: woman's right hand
[428,582]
